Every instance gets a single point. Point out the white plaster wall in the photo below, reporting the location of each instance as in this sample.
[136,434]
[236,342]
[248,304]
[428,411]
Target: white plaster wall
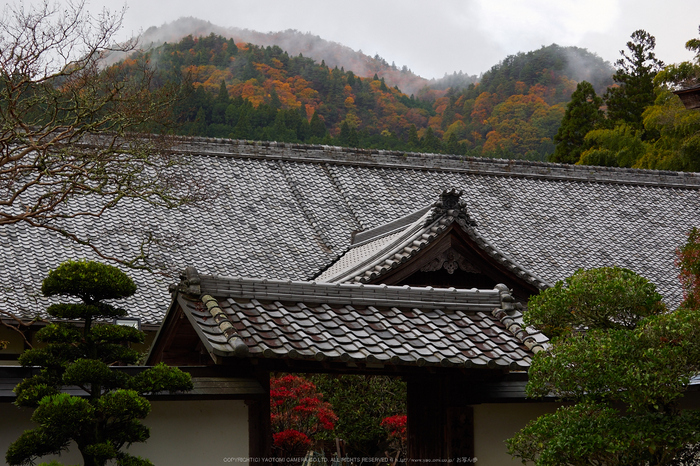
[183,433]
[14,421]
[495,423]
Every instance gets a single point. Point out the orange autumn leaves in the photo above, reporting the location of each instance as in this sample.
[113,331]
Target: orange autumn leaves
[514,119]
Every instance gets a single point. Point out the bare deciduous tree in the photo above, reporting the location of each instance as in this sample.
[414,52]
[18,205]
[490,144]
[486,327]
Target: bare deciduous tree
[74,136]
[72,129]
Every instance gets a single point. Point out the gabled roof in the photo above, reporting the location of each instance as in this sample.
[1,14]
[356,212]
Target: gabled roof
[285,211]
[350,325]
[376,252]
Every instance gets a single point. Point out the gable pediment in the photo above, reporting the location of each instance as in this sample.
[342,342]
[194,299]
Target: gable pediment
[438,246]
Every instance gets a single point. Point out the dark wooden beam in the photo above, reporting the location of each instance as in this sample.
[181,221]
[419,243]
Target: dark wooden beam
[690,97]
[259,427]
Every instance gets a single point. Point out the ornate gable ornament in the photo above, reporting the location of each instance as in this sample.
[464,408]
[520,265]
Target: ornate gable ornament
[451,204]
[451,261]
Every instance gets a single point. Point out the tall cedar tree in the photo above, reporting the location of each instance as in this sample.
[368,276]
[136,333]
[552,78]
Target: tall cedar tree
[108,417]
[635,77]
[625,363]
[583,114]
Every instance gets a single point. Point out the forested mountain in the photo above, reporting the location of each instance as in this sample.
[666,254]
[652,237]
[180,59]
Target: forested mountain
[295,43]
[240,90]
[516,108]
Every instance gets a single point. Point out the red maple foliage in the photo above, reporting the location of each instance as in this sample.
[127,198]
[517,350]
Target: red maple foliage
[396,425]
[291,440]
[297,413]
[688,260]
[398,434]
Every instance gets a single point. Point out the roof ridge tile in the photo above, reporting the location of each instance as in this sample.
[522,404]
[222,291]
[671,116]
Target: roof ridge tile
[307,153]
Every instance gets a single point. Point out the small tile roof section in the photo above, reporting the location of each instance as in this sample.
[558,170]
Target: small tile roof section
[382,249]
[359,324]
[286,211]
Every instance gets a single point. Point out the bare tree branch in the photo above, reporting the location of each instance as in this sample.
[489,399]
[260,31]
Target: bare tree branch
[71,129]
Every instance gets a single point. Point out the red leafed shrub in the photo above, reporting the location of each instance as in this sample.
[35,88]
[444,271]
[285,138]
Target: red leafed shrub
[396,425]
[688,260]
[297,413]
[291,440]
[398,435]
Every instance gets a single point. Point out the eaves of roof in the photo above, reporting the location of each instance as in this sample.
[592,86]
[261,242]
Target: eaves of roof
[355,324]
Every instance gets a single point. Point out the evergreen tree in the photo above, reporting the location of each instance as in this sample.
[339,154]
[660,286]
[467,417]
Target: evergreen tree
[200,125]
[353,138]
[635,77]
[108,418]
[413,140]
[223,97]
[243,129]
[275,102]
[453,145]
[344,136]
[582,114]
[317,128]
[624,362]
[430,142]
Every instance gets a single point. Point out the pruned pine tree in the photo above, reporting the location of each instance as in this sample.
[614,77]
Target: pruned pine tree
[79,350]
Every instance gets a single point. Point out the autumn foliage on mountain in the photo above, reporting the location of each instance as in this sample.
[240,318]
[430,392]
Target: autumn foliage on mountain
[244,91]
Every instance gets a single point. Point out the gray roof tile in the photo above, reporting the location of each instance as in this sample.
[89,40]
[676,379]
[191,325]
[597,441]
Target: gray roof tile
[472,339]
[287,211]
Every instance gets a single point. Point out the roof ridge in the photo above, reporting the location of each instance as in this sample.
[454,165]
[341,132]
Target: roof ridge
[406,237]
[308,153]
[357,294]
[388,228]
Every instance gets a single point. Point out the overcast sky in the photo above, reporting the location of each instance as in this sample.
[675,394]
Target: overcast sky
[434,37]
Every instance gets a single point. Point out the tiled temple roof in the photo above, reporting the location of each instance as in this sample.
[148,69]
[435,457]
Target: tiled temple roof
[355,324]
[382,249]
[286,211]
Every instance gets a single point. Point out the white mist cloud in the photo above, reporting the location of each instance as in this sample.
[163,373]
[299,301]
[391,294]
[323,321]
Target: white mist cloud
[437,37]
[519,25]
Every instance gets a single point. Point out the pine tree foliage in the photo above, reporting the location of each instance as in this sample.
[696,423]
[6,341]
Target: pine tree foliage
[79,351]
[635,79]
